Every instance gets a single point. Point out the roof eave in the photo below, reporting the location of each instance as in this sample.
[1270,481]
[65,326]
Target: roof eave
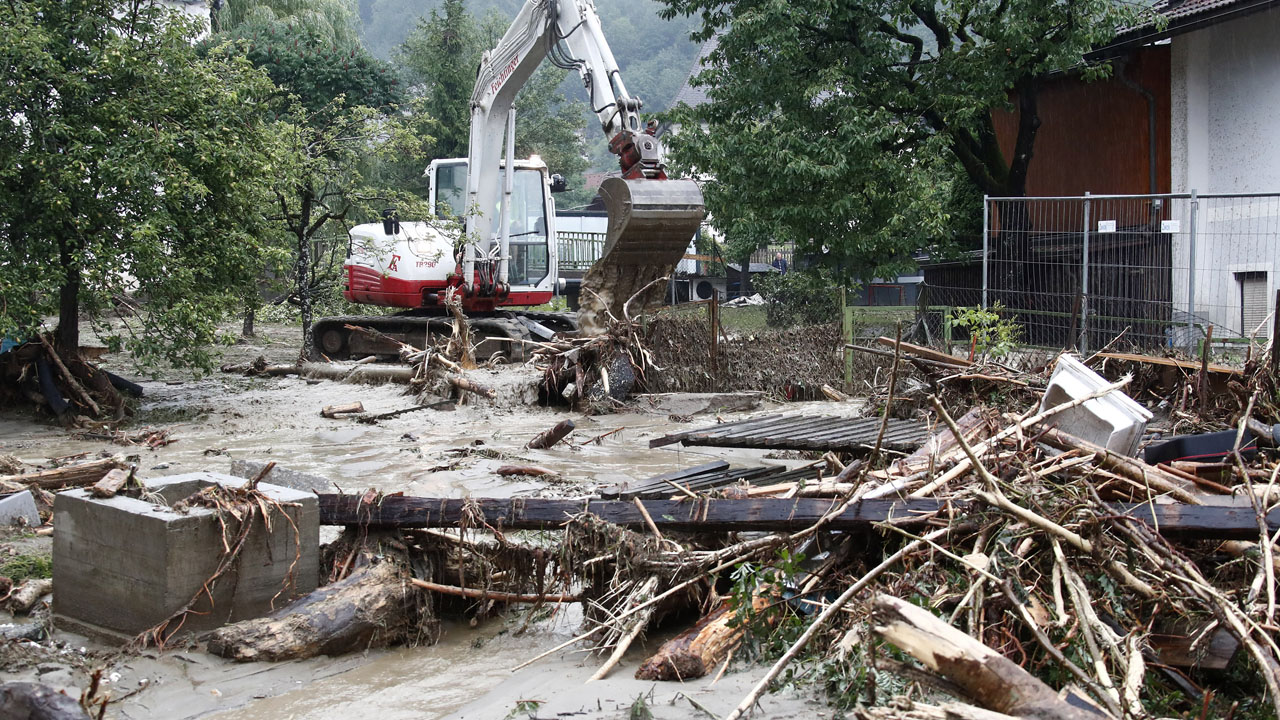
[1149,34]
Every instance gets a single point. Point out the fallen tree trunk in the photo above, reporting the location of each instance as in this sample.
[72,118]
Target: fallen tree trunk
[698,650]
[372,607]
[551,436]
[28,594]
[991,679]
[69,476]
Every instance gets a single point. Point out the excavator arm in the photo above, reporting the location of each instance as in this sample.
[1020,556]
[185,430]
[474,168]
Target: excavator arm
[651,218]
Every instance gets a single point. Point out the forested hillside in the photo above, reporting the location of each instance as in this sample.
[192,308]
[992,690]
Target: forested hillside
[655,54]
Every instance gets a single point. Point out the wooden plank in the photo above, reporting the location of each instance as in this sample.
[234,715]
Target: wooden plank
[1168,362]
[1199,522]
[716,515]
[924,352]
[764,514]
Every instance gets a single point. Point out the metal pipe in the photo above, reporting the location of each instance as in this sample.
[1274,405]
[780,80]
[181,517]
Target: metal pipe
[986,234]
[508,182]
[1084,282]
[1191,275]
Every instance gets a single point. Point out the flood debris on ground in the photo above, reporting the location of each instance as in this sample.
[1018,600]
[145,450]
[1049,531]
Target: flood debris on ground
[1044,542]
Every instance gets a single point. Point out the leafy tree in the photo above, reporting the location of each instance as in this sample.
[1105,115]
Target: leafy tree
[854,123]
[338,110]
[129,171]
[334,20]
[321,189]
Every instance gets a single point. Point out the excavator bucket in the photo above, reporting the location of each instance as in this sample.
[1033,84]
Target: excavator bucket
[650,225]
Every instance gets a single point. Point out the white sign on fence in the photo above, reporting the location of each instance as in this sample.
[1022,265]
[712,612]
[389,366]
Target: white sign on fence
[1105,226]
[1170,226]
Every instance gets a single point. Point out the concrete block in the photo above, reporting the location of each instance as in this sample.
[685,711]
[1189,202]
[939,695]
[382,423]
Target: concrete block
[282,476]
[18,507]
[124,564]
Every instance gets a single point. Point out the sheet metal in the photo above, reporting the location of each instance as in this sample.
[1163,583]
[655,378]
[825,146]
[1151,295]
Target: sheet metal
[804,432]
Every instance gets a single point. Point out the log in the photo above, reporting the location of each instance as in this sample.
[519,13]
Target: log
[333,411]
[68,476]
[463,383]
[110,484]
[28,594]
[992,680]
[697,651]
[550,437]
[33,701]
[371,607]
[1168,362]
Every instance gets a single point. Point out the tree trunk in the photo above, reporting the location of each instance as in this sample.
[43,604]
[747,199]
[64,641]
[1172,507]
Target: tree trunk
[744,283]
[302,275]
[372,607]
[249,316]
[68,335]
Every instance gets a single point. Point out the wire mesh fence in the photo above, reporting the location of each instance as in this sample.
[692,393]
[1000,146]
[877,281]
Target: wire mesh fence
[1161,269]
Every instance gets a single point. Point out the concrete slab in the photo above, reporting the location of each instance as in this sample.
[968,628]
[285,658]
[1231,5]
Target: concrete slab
[124,564]
[18,508]
[282,476]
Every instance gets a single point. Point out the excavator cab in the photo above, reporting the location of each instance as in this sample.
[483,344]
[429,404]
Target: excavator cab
[531,264]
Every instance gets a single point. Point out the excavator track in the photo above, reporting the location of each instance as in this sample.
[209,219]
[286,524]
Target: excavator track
[492,335]
[650,225]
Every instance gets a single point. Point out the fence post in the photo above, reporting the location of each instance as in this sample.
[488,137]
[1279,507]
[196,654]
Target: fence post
[986,234]
[1084,282]
[1191,276]
[846,318]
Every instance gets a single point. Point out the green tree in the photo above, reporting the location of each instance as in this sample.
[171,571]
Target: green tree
[854,123]
[130,168]
[339,115]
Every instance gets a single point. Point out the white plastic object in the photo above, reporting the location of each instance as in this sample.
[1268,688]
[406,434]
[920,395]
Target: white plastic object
[1114,421]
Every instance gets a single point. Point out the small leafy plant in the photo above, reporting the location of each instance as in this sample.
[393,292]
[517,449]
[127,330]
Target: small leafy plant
[993,335]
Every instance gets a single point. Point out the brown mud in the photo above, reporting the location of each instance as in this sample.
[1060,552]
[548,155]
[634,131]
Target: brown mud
[430,452]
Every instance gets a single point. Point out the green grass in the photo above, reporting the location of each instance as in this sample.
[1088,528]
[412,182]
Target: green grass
[22,567]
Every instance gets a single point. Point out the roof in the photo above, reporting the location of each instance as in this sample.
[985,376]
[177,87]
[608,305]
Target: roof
[1183,16]
[690,94]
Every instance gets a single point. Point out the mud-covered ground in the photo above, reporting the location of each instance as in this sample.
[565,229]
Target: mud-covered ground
[429,453]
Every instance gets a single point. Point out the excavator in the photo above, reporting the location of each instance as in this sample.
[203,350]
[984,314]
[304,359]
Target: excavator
[505,254]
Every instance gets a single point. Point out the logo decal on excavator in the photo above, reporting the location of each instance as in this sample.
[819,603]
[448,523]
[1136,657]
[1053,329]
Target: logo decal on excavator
[497,84]
[394,259]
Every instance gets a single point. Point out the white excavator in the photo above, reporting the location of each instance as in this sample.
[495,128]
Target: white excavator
[505,256]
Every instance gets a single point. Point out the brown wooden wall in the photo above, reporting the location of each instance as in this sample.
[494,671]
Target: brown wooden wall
[1094,135]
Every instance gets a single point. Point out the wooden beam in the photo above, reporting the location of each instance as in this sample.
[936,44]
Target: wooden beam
[723,515]
[706,515]
[1168,362]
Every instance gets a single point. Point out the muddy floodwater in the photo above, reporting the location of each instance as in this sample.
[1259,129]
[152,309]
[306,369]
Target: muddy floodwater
[468,674]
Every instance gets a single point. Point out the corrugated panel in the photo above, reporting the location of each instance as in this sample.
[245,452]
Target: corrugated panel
[803,432]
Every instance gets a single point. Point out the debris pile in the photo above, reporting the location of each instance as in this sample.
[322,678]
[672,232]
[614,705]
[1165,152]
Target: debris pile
[1027,570]
[67,385]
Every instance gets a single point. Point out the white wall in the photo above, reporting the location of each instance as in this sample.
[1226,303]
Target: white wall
[1225,138]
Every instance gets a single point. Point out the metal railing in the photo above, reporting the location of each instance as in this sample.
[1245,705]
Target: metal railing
[579,250]
[1163,269]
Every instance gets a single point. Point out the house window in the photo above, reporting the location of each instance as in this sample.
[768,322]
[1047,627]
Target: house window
[1253,302]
